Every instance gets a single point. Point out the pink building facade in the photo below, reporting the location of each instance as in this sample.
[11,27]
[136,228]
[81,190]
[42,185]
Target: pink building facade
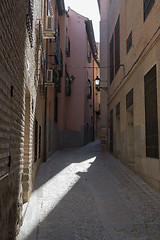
[75,102]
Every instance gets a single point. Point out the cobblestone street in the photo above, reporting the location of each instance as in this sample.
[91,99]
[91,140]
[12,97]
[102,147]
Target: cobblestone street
[85,194]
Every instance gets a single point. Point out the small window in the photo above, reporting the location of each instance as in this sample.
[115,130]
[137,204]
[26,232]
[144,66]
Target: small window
[118,110]
[147,5]
[129,42]
[129,99]
[36,140]
[61,63]
[89,53]
[111,61]
[68,47]
[39,141]
[111,130]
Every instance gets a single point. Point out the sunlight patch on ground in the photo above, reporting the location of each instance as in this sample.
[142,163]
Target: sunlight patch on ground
[54,190]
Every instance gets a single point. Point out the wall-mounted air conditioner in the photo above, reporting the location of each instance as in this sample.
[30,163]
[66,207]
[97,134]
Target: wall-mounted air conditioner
[49,78]
[50,23]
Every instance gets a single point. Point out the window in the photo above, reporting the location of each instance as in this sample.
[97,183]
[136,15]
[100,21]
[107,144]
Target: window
[111,130]
[36,140]
[147,5]
[111,61]
[118,110]
[129,42]
[29,20]
[67,82]
[89,95]
[151,115]
[68,47]
[39,141]
[129,99]
[58,44]
[61,63]
[56,108]
[89,52]
[115,51]
[117,47]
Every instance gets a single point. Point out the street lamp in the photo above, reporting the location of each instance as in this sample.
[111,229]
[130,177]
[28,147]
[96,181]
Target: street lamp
[97,81]
[97,84]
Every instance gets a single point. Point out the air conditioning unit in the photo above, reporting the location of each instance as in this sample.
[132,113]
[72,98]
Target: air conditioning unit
[50,23]
[49,76]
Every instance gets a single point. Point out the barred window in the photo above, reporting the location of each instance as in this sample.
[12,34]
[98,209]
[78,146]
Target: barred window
[147,5]
[111,130]
[68,47]
[151,115]
[39,141]
[117,47]
[61,63]
[36,141]
[115,51]
[29,20]
[67,82]
[118,110]
[129,99]
[58,44]
[129,42]
[89,52]
[111,61]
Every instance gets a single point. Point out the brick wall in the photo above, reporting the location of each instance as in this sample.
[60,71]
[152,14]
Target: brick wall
[20,105]
[12,41]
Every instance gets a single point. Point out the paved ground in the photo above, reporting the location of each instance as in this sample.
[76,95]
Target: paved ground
[85,194]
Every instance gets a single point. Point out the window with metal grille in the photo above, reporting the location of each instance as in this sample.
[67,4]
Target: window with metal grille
[36,140]
[111,61]
[89,52]
[118,110]
[117,47]
[111,130]
[129,99]
[115,51]
[29,20]
[147,5]
[61,63]
[129,42]
[67,82]
[151,115]
[58,44]
[68,47]
[56,108]
[39,141]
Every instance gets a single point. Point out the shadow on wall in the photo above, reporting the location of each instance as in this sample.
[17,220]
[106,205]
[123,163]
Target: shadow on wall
[12,65]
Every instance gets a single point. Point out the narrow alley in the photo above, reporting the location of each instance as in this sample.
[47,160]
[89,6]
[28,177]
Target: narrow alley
[82,194]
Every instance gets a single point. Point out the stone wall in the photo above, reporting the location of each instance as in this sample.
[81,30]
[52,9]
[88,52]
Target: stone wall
[129,127]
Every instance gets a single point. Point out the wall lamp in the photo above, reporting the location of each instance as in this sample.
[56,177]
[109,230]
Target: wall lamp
[97,84]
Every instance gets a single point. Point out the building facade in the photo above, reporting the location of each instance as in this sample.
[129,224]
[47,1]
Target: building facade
[75,102]
[21,125]
[46,97]
[130,68]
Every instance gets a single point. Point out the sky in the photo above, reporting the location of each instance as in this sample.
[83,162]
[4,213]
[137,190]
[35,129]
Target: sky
[87,8]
